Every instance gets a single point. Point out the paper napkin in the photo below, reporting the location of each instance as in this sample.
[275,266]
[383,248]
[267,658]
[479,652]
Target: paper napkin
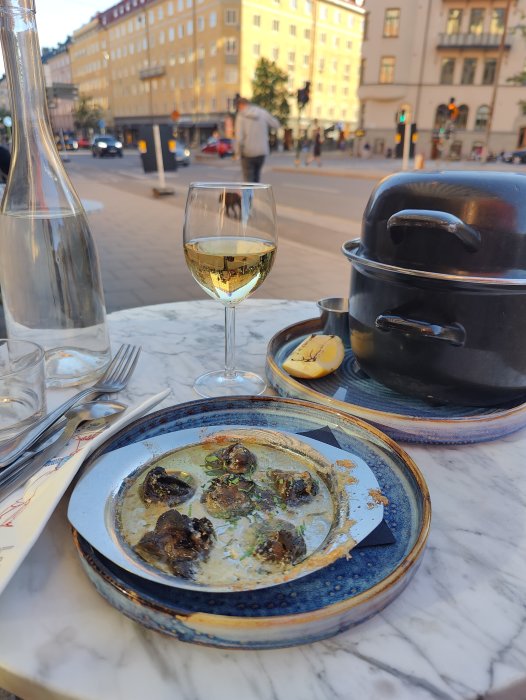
[24,514]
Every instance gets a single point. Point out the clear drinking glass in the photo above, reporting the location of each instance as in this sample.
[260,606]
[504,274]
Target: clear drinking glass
[230,239]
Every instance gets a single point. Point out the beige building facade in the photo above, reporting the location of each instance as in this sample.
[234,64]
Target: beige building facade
[184,61]
[418,55]
[59,85]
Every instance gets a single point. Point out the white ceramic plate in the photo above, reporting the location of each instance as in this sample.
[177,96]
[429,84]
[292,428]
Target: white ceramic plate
[346,509]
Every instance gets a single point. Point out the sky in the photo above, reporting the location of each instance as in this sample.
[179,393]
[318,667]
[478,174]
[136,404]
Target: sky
[56,19]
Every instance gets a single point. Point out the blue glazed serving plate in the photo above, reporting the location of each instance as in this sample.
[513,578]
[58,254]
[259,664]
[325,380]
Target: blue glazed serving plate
[310,608]
[402,417]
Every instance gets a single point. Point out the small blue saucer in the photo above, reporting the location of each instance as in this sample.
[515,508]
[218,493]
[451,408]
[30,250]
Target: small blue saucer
[401,417]
[306,609]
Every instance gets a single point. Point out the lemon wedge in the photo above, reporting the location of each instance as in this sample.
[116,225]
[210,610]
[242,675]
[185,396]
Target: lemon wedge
[315,357]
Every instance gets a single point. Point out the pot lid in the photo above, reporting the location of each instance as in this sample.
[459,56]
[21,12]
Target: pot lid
[458,223]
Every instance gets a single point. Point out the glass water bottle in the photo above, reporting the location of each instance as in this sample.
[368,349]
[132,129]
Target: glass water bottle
[49,272]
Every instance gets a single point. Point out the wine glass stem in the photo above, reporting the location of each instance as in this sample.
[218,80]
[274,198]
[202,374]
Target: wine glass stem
[230,341]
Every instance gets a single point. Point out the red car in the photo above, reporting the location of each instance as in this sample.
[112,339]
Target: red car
[223,147]
[84,143]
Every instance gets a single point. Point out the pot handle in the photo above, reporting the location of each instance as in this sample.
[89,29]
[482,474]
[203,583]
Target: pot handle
[454,334]
[429,218]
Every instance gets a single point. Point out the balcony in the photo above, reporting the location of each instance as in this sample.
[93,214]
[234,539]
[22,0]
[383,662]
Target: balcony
[471,41]
[152,72]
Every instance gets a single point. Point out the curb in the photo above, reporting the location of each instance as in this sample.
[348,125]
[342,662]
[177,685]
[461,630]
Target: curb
[327,172]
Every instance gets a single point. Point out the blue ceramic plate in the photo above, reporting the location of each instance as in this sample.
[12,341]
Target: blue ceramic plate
[313,607]
[401,417]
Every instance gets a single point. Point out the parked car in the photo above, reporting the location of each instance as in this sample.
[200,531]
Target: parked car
[84,143]
[518,156]
[182,154]
[106,146]
[68,145]
[223,147]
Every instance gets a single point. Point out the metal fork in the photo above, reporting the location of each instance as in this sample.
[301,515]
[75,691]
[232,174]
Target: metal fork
[114,379]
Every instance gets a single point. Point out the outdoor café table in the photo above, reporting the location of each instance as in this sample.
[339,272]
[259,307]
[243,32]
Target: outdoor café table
[457,631]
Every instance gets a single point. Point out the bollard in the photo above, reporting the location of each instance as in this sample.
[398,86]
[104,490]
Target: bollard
[419,161]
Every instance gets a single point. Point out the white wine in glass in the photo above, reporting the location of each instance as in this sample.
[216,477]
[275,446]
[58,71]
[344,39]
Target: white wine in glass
[230,239]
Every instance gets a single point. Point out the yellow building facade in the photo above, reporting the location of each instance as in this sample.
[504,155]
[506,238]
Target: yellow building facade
[184,61]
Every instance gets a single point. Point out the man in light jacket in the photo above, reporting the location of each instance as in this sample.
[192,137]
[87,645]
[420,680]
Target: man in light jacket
[252,125]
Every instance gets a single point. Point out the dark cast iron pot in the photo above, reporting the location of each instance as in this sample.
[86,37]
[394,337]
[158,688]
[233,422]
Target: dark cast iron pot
[438,286]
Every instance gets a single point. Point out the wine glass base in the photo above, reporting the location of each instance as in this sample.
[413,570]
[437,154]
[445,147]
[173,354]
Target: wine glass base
[241,383]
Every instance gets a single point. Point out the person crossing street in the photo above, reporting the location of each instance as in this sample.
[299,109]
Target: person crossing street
[252,143]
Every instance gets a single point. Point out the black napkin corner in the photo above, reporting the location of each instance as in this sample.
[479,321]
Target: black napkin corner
[382,534]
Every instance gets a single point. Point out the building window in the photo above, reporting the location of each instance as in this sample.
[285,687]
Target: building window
[447,69]
[292,58]
[275,54]
[212,20]
[170,8]
[230,17]
[256,49]
[292,30]
[189,27]
[497,21]
[392,22]
[468,71]
[306,34]
[323,12]
[323,38]
[476,20]
[256,20]
[231,47]
[387,68]
[481,118]
[441,116]
[213,49]
[180,31]
[306,60]
[454,19]
[490,69]
[275,25]
[321,65]
[200,24]
[462,117]
[308,7]
[160,13]
[362,71]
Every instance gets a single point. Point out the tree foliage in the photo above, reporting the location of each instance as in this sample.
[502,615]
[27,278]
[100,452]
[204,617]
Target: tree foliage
[86,115]
[269,89]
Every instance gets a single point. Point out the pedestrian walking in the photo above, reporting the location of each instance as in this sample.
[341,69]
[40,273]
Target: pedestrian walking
[252,141]
[316,149]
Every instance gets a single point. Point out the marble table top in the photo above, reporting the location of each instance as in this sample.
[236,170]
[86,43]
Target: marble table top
[457,632]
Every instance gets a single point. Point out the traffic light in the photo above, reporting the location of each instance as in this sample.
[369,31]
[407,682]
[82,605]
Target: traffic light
[452,109]
[401,116]
[304,95]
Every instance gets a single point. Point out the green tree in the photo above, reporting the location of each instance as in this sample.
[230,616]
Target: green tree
[86,115]
[269,89]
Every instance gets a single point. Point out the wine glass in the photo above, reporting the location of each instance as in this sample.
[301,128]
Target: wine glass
[230,239]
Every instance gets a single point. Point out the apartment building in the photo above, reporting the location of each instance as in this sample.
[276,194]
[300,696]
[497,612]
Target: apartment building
[59,85]
[418,55]
[184,61]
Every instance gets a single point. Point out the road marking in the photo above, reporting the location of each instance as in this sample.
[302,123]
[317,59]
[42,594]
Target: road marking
[327,190]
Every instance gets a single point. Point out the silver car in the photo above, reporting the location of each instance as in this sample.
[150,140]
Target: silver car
[182,154]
